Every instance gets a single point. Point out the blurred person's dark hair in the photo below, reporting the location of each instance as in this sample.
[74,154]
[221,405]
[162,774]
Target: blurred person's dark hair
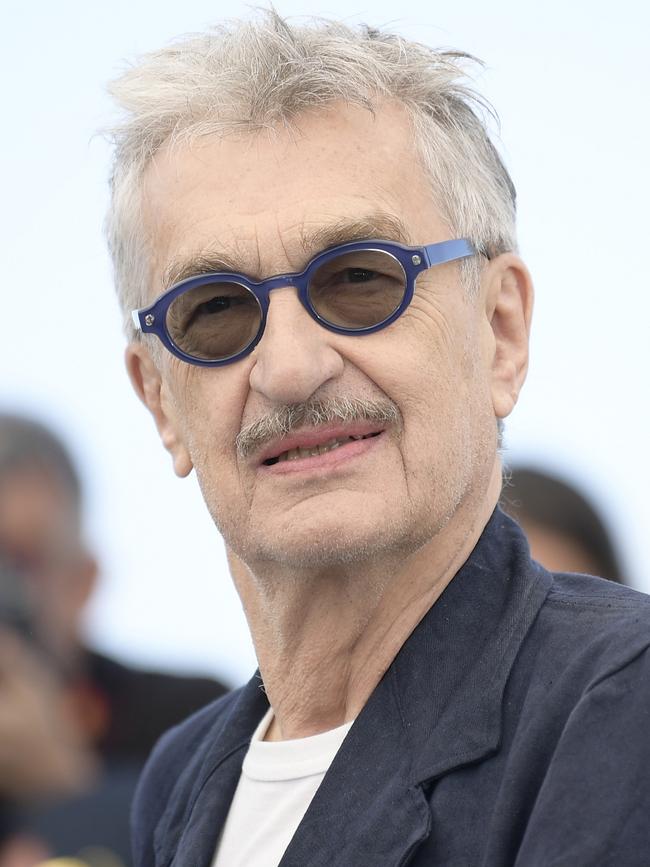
[545,504]
[26,444]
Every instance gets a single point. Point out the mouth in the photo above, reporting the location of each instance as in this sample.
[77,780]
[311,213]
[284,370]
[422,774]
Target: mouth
[315,449]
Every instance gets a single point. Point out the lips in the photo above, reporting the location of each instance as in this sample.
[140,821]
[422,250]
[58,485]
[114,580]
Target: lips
[315,451]
[315,442]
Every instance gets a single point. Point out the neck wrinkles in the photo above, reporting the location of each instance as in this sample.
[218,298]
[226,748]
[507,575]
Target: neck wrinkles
[325,641]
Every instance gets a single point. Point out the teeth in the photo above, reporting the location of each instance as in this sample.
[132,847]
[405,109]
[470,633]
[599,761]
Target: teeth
[314,451]
[328,447]
[291,455]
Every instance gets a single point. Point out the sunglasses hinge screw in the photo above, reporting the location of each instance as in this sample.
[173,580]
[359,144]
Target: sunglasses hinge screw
[416,259]
[149,319]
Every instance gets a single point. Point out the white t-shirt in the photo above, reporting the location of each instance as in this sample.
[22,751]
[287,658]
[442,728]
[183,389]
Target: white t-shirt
[278,781]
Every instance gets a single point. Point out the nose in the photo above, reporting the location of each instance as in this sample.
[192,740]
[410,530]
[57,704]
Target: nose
[296,355]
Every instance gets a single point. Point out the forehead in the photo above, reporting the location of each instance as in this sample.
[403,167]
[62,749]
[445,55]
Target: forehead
[264,202]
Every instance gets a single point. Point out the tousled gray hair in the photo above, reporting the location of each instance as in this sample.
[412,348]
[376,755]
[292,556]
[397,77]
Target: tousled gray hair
[252,75]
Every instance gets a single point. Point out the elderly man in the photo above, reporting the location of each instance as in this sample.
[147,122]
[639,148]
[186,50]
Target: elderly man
[316,238]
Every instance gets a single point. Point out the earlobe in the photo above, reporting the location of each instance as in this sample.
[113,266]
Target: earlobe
[148,385]
[509,304]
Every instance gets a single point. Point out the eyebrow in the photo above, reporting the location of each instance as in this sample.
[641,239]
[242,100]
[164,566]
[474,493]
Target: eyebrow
[378,225]
[382,226]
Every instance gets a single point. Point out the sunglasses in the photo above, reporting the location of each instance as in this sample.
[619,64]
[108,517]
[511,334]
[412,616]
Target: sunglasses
[354,288]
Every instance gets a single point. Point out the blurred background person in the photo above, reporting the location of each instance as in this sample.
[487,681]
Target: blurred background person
[75,725]
[565,531]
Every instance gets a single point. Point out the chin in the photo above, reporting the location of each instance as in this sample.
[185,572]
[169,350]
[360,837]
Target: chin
[320,555]
[321,544]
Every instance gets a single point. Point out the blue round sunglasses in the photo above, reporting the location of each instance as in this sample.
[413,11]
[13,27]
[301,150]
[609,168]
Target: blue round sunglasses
[355,288]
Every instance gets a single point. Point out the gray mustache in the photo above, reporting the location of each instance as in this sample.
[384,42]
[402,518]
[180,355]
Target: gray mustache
[285,419]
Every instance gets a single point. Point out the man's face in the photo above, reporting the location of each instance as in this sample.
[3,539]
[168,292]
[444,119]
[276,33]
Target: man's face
[261,202]
[40,541]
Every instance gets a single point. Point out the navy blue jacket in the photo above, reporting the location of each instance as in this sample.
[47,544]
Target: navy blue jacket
[513,728]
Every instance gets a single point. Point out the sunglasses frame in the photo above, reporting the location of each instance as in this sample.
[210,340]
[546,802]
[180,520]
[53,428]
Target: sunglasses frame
[414,260]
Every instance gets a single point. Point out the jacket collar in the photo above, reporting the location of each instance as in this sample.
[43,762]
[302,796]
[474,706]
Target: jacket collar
[437,708]
[186,834]
[451,674]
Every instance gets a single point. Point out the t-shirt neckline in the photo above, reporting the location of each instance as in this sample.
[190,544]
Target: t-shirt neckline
[272,761]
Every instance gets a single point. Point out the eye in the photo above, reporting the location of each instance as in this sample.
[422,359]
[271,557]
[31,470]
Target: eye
[215,305]
[359,275]
[352,275]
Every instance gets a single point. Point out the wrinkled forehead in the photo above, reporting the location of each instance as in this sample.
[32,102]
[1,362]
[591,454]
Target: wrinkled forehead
[266,202]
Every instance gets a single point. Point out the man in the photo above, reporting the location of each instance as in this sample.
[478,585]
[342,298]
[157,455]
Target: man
[75,725]
[331,321]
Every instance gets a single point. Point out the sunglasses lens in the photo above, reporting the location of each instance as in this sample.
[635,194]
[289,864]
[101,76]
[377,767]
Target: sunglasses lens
[358,289]
[214,321]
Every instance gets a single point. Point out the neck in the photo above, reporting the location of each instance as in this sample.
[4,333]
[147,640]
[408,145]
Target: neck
[324,641]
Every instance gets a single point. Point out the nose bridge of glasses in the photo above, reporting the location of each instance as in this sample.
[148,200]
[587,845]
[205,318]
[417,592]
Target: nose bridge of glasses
[280,281]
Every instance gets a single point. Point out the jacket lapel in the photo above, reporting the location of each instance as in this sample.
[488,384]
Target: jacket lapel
[453,671]
[188,831]
[367,810]
[437,709]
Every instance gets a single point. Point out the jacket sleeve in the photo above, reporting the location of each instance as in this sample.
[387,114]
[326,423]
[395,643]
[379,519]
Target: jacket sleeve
[594,805]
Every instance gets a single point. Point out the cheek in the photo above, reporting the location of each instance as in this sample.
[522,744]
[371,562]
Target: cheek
[438,381]
[428,360]
[210,444]
[217,473]
[209,406]
[204,407]
[455,359]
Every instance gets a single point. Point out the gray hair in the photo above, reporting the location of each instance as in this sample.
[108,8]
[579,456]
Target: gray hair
[252,75]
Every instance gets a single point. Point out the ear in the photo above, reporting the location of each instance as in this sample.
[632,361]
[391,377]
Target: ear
[148,384]
[509,307]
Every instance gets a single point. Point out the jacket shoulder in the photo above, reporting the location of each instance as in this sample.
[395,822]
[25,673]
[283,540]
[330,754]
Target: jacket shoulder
[586,630]
[594,606]
[594,590]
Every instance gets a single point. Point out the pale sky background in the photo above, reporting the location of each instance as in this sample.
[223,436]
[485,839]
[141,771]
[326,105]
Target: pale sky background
[570,82]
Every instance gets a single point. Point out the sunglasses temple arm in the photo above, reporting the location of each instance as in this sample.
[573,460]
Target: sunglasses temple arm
[448,251]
